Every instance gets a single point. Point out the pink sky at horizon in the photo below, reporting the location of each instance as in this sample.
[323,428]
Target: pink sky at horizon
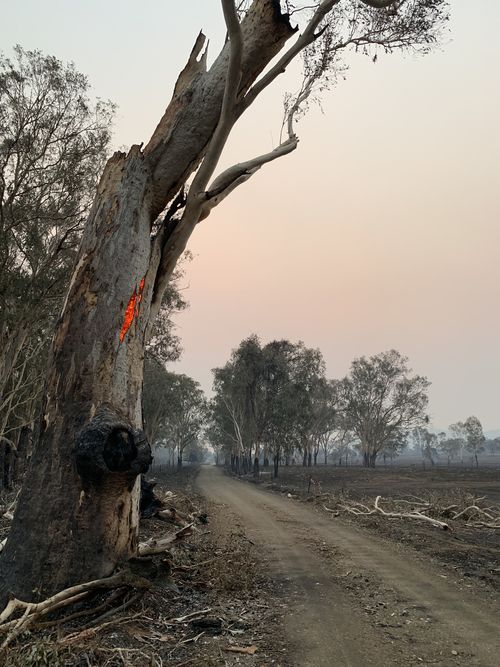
[381,231]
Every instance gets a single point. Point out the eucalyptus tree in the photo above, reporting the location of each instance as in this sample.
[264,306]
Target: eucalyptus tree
[427,443]
[54,142]
[324,417]
[186,413]
[459,434]
[475,437]
[147,204]
[451,448]
[381,402]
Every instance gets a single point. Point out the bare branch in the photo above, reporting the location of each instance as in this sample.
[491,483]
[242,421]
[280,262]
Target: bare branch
[379,4]
[229,179]
[306,38]
[227,114]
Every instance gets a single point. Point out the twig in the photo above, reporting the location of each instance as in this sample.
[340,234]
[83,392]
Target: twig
[187,617]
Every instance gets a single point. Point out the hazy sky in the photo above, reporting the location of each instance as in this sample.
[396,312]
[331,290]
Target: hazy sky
[381,231]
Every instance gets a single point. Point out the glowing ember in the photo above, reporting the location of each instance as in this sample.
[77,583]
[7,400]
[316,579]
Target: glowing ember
[132,310]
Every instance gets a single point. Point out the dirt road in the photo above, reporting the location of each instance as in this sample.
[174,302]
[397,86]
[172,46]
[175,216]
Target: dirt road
[354,599]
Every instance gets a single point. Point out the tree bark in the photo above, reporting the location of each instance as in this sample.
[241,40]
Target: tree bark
[23,454]
[77,512]
[3,461]
[256,467]
[276,460]
[77,515]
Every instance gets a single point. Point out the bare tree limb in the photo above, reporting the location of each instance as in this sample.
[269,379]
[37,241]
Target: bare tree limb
[306,38]
[379,4]
[229,179]
[227,114]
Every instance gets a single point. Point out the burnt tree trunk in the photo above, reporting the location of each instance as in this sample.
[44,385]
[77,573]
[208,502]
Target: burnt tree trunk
[77,515]
[256,467]
[3,461]
[23,454]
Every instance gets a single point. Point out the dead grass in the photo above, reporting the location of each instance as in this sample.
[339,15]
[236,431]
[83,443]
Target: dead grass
[214,578]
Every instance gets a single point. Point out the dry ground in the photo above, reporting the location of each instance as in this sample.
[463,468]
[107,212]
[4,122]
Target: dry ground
[356,598]
[215,569]
[470,552]
[274,572]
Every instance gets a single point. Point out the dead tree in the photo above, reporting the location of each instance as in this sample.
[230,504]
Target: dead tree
[77,516]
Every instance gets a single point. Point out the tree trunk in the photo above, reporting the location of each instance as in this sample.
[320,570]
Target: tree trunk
[276,465]
[3,460]
[304,459]
[256,467]
[8,466]
[77,514]
[23,454]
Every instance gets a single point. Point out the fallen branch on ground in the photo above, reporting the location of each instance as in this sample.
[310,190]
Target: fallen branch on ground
[432,510]
[359,509]
[32,611]
[173,515]
[415,514]
[158,546]
[188,617]
[478,510]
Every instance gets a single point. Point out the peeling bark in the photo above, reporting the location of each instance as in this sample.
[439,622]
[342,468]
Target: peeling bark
[73,523]
[77,515]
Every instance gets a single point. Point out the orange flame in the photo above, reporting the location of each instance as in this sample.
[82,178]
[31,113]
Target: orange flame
[132,309]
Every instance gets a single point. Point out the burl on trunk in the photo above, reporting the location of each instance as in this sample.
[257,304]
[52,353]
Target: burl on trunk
[77,516]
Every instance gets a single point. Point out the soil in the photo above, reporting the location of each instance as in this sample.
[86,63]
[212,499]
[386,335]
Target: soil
[274,574]
[355,598]
[216,571]
[468,552]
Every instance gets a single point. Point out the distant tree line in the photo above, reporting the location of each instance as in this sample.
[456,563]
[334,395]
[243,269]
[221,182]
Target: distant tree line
[274,403]
[466,439]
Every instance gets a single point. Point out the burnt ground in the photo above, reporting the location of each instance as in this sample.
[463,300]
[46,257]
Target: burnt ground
[355,597]
[471,552]
[216,571]
[273,572]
